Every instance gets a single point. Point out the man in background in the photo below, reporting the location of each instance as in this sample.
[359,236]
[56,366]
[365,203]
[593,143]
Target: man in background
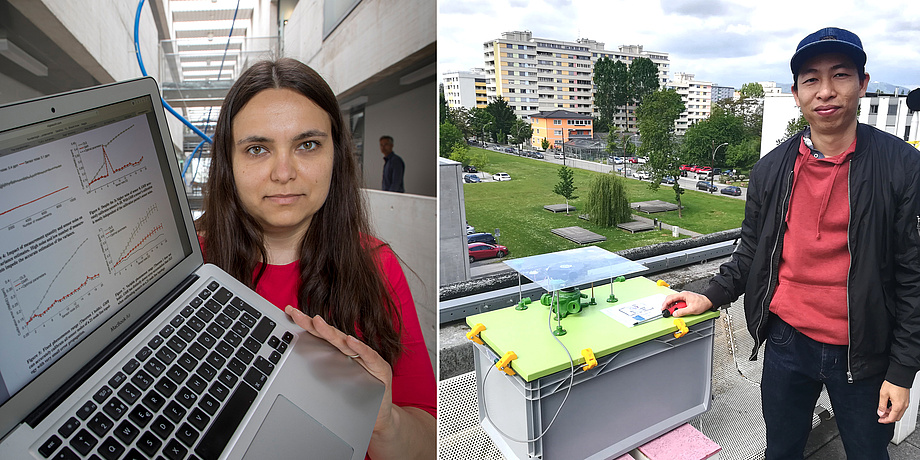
[393,167]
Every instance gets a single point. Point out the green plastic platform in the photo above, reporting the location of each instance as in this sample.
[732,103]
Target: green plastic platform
[528,333]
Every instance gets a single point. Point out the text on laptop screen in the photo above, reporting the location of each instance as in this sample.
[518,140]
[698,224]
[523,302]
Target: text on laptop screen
[85,225]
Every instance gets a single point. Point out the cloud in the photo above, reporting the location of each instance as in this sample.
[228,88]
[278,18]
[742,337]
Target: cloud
[711,44]
[703,8]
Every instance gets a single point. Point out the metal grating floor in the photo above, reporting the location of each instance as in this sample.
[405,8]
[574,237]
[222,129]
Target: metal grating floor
[733,421]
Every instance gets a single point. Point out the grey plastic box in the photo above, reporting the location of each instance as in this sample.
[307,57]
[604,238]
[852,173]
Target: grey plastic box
[631,397]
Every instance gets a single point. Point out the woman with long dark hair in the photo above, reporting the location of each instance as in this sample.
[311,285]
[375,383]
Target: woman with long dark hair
[284,214]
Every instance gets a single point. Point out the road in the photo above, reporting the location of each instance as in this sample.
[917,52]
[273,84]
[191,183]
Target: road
[688,183]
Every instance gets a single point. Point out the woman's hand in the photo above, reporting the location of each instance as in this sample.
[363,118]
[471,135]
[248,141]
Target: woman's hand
[357,350]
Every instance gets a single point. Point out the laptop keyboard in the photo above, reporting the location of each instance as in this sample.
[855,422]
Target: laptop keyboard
[183,394]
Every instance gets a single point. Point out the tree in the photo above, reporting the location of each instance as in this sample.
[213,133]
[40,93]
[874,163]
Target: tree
[450,138]
[503,116]
[704,135]
[751,90]
[655,119]
[442,112]
[607,203]
[480,159]
[460,154]
[744,155]
[545,144]
[566,186]
[748,107]
[612,81]
[643,79]
[520,131]
[460,117]
[479,120]
[793,127]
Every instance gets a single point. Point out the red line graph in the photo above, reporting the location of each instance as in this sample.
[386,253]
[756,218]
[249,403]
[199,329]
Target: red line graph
[46,310]
[109,168]
[33,201]
[141,242]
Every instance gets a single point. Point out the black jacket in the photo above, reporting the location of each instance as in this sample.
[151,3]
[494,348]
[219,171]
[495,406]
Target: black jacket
[883,285]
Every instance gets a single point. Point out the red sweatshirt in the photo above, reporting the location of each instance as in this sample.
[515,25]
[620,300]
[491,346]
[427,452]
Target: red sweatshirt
[812,292]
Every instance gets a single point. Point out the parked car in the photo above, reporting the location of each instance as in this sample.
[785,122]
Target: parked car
[642,160]
[470,229]
[643,175]
[686,167]
[618,160]
[501,176]
[558,156]
[471,178]
[707,186]
[731,190]
[704,170]
[479,251]
[470,169]
[480,238]
[538,155]
[667,180]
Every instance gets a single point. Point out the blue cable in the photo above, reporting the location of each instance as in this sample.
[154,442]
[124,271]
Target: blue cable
[140,62]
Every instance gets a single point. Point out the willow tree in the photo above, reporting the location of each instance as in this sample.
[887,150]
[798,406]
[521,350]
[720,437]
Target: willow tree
[607,204]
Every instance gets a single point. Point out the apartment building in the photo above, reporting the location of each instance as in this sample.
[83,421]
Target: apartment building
[465,89]
[559,126]
[542,75]
[697,98]
[721,92]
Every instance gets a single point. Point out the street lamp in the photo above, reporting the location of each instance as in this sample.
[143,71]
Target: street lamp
[519,133]
[630,136]
[712,167]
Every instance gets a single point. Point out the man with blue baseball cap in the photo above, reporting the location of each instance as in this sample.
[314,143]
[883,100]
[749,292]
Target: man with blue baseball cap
[829,262]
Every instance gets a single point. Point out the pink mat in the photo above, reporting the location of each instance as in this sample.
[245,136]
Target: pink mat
[682,443]
[626,456]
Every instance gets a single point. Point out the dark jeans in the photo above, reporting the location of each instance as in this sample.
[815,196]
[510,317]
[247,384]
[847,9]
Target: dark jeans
[795,367]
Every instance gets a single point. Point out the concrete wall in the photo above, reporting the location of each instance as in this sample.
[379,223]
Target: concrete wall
[99,34]
[407,223]
[452,250]
[411,118]
[374,36]
[12,91]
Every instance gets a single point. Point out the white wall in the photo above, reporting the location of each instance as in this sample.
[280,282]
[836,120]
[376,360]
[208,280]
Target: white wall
[411,118]
[778,110]
[454,263]
[408,224]
[374,36]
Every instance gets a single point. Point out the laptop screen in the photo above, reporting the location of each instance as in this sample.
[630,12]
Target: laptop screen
[87,223]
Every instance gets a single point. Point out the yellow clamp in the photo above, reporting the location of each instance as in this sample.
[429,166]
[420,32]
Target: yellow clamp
[663,283]
[504,364]
[681,328]
[590,360]
[474,333]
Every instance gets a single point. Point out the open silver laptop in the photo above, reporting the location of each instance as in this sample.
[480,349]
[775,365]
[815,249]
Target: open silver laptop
[116,340]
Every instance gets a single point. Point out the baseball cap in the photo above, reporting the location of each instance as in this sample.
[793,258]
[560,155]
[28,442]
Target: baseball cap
[829,40]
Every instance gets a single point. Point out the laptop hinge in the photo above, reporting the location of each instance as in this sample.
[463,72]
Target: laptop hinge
[48,405]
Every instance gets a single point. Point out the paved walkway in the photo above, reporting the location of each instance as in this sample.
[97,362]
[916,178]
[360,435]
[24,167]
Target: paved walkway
[664,226]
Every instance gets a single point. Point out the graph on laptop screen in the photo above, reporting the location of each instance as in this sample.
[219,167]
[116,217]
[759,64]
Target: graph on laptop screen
[85,225]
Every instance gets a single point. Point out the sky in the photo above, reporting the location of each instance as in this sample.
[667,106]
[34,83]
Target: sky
[728,42]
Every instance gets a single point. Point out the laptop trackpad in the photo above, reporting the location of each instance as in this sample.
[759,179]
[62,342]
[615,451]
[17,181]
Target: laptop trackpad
[290,433]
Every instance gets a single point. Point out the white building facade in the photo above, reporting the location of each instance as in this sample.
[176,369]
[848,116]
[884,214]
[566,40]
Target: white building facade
[465,89]
[697,98]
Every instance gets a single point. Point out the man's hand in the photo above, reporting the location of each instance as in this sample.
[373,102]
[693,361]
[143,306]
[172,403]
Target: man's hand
[696,303]
[899,397]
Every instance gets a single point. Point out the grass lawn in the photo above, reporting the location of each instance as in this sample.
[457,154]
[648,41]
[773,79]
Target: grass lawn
[516,208]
